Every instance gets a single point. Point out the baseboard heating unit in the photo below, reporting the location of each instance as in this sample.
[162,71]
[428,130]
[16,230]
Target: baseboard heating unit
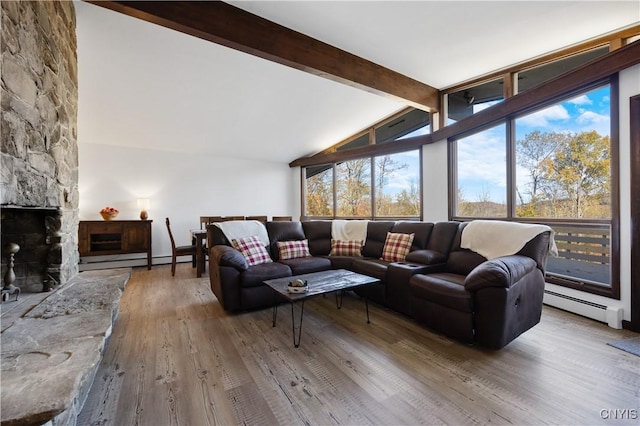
[607,314]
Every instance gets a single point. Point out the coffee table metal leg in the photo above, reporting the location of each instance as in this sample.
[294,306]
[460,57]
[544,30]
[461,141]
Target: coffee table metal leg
[296,343]
[366,304]
[339,299]
[275,314]
[275,309]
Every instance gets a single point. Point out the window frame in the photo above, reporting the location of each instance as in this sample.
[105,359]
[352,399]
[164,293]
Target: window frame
[373,200]
[611,291]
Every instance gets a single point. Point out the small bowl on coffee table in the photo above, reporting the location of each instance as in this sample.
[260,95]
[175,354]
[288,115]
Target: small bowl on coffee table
[297,286]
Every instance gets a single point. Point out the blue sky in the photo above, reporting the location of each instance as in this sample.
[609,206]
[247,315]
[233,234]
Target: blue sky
[482,157]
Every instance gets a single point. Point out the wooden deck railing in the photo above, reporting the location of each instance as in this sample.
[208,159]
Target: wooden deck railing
[584,252]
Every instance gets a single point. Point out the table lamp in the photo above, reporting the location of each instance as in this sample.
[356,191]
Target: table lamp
[144,205]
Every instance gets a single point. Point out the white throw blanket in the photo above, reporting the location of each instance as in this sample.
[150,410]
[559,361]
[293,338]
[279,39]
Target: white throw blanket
[235,229]
[354,230]
[495,238]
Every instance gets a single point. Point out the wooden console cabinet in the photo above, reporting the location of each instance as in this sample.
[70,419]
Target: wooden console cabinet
[101,237]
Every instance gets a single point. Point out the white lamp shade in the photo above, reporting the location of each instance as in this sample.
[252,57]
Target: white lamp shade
[144,203]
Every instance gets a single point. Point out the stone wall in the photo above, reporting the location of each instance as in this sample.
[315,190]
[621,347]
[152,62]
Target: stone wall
[38,128]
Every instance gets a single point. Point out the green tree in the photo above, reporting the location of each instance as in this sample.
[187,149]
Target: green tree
[353,190]
[319,193]
[569,175]
[408,201]
[532,151]
[580,173]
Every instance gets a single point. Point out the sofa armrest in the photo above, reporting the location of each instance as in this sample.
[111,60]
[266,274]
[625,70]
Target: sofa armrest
[426,257]
[499,272]
[228,256]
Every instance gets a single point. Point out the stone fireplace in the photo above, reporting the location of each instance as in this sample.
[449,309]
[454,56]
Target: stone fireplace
[39,158]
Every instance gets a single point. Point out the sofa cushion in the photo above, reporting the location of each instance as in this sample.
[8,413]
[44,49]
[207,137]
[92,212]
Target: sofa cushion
[346,248]
[252,249]
[293,249]
[257,274]
[342,262]
[396,247]
[426,257]
[376,236]
[443,289]
[318,232]
[283,231]
[306,265]
[442,236]
[376,268]
[422,231]
[228,256]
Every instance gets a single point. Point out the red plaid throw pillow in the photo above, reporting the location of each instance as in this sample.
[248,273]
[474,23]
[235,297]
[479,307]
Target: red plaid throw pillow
[293,249]
[252,249]
[396,247]
[346,248]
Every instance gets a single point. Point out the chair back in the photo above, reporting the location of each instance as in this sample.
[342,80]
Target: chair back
[262,219]
[205,220]
[173,243]
[230,218]
[282,218]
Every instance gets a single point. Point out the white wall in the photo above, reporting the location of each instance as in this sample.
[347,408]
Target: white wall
[181,186]
[435,190]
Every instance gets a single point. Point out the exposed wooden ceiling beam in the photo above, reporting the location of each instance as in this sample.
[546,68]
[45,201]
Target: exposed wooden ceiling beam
[230,26]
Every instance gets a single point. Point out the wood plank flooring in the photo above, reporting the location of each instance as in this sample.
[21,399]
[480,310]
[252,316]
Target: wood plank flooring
[176,358]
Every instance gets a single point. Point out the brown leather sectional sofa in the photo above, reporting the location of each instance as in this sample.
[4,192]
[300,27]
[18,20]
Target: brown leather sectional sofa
[452,290]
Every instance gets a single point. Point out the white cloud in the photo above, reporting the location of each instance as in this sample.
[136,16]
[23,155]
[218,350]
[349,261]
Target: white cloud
[543,117]
[581,100]
[591,117]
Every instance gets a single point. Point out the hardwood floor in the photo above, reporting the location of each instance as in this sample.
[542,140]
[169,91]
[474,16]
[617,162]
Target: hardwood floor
[176,358]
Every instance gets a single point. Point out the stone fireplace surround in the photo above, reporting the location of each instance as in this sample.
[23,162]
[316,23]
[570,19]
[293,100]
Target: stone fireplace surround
[38,129]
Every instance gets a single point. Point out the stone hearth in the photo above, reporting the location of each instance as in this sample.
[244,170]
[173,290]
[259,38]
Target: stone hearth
[50,355]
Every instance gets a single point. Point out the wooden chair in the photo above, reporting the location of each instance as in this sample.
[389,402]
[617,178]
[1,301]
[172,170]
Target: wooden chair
[179,250]
[281,218]
[228,218]
[262,219]
[205,220]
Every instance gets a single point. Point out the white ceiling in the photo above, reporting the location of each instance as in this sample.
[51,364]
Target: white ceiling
[145,86]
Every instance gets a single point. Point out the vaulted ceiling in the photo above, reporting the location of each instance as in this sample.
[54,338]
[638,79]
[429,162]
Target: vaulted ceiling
[149,87]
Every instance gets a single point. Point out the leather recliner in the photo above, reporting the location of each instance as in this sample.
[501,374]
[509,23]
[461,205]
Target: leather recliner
[475,300]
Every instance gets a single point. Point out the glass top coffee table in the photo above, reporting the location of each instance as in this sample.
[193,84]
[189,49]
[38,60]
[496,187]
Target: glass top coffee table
[335,280]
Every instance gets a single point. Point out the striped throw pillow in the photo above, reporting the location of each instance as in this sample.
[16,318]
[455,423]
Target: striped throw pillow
[396,247]
[293,249]
[252,249]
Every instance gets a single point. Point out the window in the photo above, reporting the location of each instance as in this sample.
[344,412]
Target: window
[391,190]
[563,173]
[412,123]
[482,174]
[319,190]
[556,166]
[466,102]
[563,158]
[397,186]
[534,76]
[353,188]
[362,140]
[387,186]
